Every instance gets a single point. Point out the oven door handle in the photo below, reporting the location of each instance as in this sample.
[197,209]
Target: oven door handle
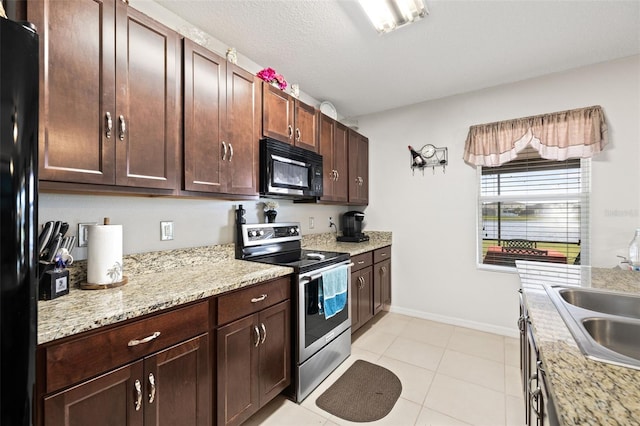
[307,280]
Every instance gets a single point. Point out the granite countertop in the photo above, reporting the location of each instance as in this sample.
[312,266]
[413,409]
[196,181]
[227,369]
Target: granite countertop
[327,242]
[584,391]
[161,280]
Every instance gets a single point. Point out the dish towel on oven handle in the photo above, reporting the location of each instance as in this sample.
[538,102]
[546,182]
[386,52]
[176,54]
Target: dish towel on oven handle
[334,290]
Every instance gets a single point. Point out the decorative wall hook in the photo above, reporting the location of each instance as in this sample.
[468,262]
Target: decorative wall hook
[429,156]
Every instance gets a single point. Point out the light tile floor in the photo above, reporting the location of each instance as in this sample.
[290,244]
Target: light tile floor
[450,376]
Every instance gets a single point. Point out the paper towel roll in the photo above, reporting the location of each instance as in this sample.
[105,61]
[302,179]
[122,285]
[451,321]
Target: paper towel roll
[104,259]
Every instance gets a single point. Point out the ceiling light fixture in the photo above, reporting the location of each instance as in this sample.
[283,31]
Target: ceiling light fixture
[388,15]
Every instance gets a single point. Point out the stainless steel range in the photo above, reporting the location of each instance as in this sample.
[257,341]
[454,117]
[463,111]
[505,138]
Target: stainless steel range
[322,338]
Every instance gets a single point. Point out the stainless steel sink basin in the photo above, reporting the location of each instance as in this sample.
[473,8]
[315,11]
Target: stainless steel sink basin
[618,304]
[619,336]
[605,324]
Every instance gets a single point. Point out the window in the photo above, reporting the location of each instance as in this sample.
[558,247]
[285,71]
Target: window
[534,209]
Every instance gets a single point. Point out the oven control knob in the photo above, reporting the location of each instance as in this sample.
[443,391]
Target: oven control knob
[261,232]
[253,233]
[292,231]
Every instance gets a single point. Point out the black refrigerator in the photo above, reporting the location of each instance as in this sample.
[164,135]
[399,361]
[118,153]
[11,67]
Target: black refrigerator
[18,220]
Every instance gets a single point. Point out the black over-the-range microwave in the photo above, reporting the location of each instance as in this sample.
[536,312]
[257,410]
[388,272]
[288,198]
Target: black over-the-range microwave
[288,171]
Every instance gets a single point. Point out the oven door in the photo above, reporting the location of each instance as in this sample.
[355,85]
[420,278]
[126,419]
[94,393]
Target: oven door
[314,329]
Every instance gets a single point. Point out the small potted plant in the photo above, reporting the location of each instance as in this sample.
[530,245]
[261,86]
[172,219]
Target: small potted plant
[270,212]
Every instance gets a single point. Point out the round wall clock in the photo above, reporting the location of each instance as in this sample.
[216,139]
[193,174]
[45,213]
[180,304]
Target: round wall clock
[428,151]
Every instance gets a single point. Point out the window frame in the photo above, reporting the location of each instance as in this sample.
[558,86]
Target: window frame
[584,198]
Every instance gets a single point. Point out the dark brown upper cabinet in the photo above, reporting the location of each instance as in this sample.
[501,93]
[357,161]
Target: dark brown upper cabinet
[334,148]
[287,119]
[221,124]
[109,93]
[358,169]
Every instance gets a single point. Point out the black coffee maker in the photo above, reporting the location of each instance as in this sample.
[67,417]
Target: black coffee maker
[352,227]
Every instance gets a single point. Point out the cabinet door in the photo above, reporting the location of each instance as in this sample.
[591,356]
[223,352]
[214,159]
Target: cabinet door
[147,91]
[243,130]
[341,163]
[306,126]
[237,371]
[205,149]
[76,90]
[354,301]
[277,114]
[275,350]
[326,135]
[381,285]
[366,295]
[361,298]
[177,383]
[108,400]
[358,169]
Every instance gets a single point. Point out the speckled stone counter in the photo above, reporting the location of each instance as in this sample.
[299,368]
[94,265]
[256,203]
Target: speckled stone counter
[328,242]
[585,392]
[165,279]
[157,281]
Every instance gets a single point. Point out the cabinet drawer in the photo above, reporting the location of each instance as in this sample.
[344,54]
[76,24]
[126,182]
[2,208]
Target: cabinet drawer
[361,261]
[381,254]
[252,299]
[85,357]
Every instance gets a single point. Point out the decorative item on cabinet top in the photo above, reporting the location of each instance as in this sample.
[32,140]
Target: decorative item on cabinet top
[232,55]
[271,76]
[429,156]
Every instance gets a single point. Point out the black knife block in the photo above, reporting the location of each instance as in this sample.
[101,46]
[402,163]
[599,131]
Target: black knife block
[52,283]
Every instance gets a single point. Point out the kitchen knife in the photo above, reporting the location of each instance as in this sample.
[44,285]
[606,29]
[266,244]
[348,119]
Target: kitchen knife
[46,254]
[64,227]
[72,243]
[55,246]
[45,236]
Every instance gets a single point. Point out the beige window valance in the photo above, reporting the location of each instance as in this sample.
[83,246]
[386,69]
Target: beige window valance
[577,133]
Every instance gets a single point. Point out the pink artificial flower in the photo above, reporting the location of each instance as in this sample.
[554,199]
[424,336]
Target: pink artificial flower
[270,76]
[267,74]
[282,83]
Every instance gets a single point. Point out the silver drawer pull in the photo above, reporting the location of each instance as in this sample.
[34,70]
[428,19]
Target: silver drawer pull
[258,299]
[135,342]
[108,124]
[138,389]
[383,254]
[152,390]
[360,262]
[257,333]
[264,333]
[123,128]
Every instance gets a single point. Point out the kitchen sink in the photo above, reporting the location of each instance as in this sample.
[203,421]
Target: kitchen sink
[604,324]
[619,304]
[619,336]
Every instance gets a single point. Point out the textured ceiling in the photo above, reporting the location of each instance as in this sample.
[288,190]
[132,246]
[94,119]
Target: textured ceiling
[329,48]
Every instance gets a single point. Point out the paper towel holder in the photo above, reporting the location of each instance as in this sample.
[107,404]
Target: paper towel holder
[91,286]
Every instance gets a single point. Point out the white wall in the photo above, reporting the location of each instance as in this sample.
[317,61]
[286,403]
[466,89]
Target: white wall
[433,217]
[197,222]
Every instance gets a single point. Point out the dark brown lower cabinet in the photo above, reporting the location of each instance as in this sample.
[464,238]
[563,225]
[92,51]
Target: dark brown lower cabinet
[381,278]
[370,285]
[170,387]
[253,362]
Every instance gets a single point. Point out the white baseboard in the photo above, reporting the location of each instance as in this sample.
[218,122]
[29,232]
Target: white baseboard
[489,328]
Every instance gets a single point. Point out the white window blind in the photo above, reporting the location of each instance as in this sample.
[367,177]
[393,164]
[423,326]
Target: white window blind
[534,209]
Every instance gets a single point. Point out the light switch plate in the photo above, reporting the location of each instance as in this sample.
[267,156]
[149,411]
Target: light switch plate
[166,231]
[83,233]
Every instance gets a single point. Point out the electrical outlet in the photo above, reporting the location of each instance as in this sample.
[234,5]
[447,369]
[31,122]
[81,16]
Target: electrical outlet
[83,234]
[166,231]
[331,222]
[312,222]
